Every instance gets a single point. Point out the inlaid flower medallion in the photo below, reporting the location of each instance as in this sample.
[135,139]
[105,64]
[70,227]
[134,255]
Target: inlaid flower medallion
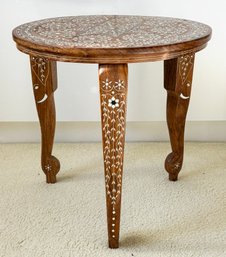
[113,102]
[48,167]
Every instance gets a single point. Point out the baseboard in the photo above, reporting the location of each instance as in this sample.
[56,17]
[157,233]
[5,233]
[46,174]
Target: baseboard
[11,132]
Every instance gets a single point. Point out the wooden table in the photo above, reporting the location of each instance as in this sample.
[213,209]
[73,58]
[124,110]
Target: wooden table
[113,42]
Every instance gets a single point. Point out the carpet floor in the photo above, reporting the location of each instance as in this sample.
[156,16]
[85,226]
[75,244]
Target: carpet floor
[68,219]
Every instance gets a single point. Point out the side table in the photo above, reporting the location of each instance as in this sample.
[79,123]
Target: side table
[113,42]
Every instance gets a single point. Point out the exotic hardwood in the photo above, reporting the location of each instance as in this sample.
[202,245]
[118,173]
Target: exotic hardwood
[113,42]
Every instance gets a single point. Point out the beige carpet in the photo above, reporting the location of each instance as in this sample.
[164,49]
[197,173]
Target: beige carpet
[159,218]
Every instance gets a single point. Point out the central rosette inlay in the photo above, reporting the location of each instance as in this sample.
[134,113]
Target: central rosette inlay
[113,102]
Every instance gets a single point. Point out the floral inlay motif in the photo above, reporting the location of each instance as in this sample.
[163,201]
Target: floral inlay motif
[40,69]
[177,166]
[48,167]
[119,84]
[107,84]
[113,102]
[186,63]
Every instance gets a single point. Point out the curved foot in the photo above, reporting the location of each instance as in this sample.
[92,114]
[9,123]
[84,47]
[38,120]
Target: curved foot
[51,168]
[177,81]
[173,165]
[44,79]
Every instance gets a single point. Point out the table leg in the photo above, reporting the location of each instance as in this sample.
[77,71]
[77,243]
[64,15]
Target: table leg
[177,81]
[44,79]
[113,93]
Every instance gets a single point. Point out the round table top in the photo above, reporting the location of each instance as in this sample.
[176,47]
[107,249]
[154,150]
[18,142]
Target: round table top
[111,38]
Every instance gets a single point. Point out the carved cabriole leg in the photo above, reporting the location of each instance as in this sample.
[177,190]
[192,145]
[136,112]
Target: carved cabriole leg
[177,81]
[44,78]
[113,92]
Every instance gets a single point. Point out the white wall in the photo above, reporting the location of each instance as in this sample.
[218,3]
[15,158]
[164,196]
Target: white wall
[146,100]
